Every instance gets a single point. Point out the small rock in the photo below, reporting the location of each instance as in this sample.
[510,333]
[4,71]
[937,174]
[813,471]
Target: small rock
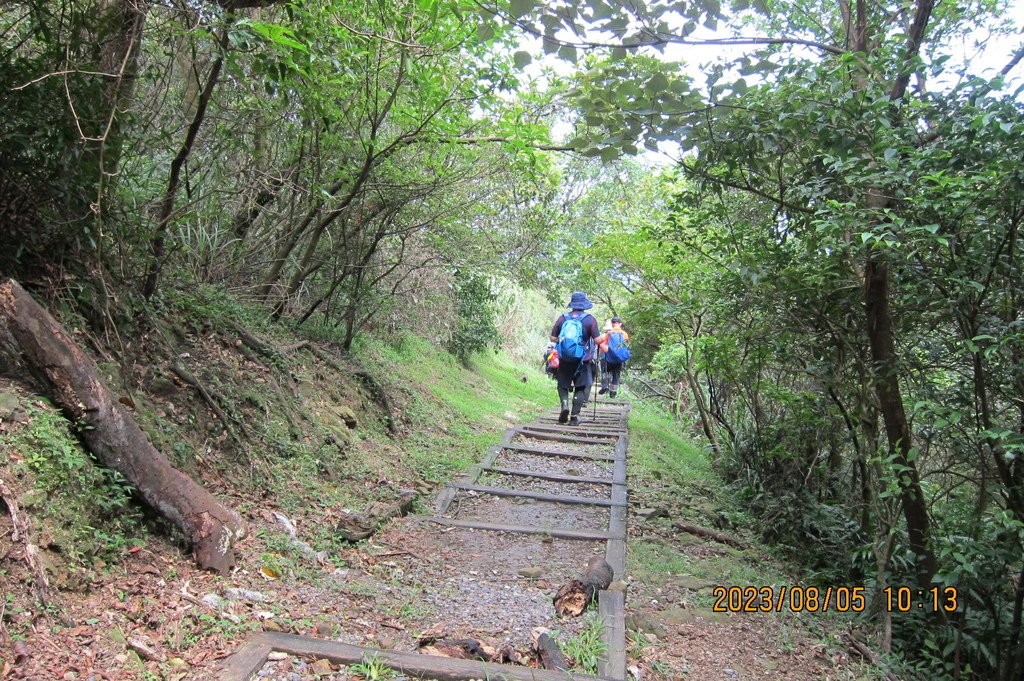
[322,667]
[271,625]
[11,409]
[618,585]
[731,673]
[236,594]
[286,523]
[646,624]
[277,656]
[531,572]
[214,601]
[651,513]
[634,671]
[145,649]
[348,416]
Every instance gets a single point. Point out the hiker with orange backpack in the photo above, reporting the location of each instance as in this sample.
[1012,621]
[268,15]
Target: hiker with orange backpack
[573,335]
[615,354]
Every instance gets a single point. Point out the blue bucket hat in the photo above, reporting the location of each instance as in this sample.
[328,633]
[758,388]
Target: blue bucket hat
[579,301]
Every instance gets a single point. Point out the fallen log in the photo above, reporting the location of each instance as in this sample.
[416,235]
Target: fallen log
[575,596]
[112,435]
[710,534]
[547,650]
[356,526]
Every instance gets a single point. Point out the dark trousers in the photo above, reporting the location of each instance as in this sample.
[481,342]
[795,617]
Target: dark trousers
[577,377]
[610,374]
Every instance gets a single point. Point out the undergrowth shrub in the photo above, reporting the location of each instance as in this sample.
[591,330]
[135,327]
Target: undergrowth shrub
[86,509]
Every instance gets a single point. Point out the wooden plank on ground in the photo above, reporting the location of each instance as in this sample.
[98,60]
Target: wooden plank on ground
[551,451]
[447,495]
[556,477]
[559,437]
[616,550]
[611,606]
[539,496]
[582,429]
[410,664]
[245,661]
[557,532]
[588,427]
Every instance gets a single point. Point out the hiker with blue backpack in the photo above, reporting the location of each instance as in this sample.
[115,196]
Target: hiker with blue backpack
[615,354]
[573,337]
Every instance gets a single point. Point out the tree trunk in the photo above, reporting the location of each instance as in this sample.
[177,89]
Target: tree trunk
[158,245]
[112,435]
[894,415]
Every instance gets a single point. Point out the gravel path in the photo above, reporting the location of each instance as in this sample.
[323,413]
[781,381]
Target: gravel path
[594,450]
[519,511]
[523,483]
[508,458]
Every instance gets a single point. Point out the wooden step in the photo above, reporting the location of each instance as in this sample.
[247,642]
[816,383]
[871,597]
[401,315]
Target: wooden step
[557,532]
[545,451]
[549,476]
[539,496]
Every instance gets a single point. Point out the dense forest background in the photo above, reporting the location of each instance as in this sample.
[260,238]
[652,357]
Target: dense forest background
[825,278]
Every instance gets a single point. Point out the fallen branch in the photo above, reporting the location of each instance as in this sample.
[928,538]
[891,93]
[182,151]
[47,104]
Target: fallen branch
[576,595]
[112,435]
[256,344]
[211,398]
[289,349]
[356,526]
[869,655]
[710,534]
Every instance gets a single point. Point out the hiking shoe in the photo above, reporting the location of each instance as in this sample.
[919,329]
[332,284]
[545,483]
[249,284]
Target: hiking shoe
[563,416]
[602,391]
[574,421]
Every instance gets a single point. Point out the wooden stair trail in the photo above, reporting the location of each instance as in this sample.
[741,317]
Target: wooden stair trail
[600,441]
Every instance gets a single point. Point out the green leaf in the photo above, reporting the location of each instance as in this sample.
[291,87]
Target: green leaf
[519,8]
[484,32]
[522,58]
[567,52]
[657,83]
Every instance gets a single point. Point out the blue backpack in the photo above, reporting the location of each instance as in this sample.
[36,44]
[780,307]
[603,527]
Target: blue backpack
[570,338]
[618,351]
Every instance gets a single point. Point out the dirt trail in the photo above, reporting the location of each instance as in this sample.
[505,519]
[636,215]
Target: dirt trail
[480,578]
